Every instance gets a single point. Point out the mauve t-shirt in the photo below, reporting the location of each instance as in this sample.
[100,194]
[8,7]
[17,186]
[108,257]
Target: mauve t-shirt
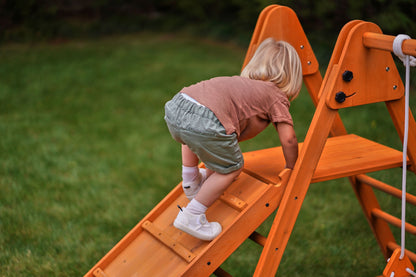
[242,105]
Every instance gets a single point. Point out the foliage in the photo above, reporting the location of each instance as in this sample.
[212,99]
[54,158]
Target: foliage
[23,20]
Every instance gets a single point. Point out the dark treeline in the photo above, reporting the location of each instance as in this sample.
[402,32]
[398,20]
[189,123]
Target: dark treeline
[32,20]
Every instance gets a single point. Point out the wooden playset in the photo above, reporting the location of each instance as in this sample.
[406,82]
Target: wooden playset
[361,71]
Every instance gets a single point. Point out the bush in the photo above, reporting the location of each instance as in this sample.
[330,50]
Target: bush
[28,20]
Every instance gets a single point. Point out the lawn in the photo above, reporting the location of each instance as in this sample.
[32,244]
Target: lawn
[85,154]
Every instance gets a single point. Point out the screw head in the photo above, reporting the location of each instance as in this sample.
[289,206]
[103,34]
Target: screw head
[340,97]
[347,76]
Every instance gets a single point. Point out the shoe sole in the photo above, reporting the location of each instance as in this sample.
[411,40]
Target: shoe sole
[193,233]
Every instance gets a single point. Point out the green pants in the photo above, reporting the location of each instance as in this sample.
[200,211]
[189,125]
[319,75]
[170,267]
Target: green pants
[198,127]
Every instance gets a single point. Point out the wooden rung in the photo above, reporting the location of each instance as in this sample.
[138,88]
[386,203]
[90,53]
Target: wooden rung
[258,238]
[393,220]
[385,42]
[219,272]
[393,246]
[411,199]
[233,201]
[99,273]
[168,241]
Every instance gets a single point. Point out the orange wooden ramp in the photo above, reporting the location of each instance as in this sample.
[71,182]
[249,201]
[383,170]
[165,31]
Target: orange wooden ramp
[155,248]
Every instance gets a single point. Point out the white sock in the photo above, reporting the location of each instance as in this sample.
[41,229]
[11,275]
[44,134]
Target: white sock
[189,173]
[195,207]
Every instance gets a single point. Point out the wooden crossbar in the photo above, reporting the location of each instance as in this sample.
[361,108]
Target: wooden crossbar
[393,220]
[219,272]
[393,246]
[386,188]
[385,42]
[258,238]
[164,238]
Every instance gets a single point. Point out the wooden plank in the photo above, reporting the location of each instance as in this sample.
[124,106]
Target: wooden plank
[156,241]
[351,155]
[233,201]
[100,273]
[342,156]
[295,192]
[261,203]
[169,242]
[315,84]
[143,258]
[127,240]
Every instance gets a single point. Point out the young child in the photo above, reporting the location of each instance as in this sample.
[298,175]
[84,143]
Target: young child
[211,117]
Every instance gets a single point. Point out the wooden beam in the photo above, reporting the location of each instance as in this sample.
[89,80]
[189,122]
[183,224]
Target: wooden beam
[385,42]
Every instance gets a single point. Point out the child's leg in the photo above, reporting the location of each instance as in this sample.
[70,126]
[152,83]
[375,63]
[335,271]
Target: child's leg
[214,186]
[189,158]
[192,219]
[190,171]
[192,176]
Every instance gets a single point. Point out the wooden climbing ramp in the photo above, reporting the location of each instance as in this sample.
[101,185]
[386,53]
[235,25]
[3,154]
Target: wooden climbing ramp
[356,75]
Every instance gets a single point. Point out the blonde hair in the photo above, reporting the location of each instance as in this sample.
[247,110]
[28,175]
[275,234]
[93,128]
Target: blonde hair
[277,62]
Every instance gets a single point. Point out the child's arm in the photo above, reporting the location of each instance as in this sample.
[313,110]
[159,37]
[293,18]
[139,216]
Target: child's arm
[289,143]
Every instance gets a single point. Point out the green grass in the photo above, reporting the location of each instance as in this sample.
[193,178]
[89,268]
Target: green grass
[85,154]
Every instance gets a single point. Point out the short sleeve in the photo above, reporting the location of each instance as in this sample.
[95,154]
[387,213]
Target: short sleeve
[279,112]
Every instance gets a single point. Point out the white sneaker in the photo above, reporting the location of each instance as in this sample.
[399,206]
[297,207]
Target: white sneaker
[192,188]
[197,225]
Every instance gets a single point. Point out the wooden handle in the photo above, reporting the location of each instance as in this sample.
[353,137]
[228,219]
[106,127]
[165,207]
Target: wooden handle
[284,175]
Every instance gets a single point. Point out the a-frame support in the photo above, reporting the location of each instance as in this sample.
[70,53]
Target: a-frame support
[375,80]
[281,23]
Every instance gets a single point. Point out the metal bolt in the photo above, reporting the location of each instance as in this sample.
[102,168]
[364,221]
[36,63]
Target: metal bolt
[340,97]
[309,62]
[387,69]
[301,47]
[394,87]
[347,76]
